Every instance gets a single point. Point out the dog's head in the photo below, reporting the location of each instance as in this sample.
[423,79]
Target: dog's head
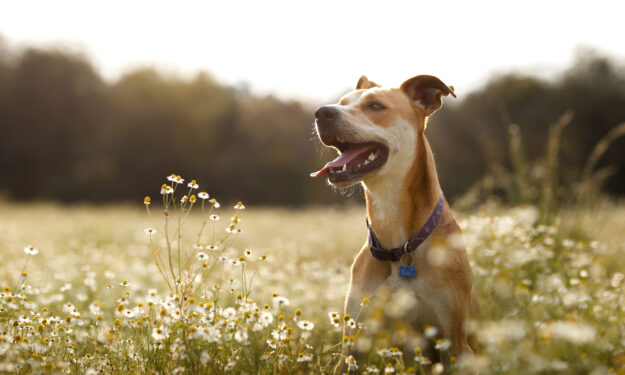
[375,129]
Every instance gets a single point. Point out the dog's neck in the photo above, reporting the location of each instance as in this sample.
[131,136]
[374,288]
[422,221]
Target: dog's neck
[397,209]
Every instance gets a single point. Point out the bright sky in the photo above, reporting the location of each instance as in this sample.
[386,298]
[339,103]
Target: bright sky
[316,50]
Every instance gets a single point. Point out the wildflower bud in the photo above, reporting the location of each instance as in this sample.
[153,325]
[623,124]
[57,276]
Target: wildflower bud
[192,198]
[147,200]
[346,317]
[191,300]
[24,274]
[239,296]
[116,322]
[120,307]
[68,318]
[365,301]
[298,312]
[281,318]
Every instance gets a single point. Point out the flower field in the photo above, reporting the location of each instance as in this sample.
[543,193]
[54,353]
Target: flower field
[235,289]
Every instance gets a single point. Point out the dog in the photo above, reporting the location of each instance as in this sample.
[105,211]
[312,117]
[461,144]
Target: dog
[379,134]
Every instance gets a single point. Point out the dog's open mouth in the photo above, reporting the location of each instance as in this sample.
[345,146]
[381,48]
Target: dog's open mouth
[355,160]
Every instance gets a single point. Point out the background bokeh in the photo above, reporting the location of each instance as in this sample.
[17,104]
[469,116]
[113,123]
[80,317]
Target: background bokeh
[68,134]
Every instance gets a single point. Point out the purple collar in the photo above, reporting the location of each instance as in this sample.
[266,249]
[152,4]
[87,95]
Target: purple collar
[411,245]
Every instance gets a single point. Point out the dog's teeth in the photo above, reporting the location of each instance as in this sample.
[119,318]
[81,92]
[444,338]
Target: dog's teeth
[372,156]
[344,168]
[367,162]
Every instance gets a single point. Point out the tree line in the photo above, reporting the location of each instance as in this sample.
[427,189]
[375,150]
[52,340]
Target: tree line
[67,134]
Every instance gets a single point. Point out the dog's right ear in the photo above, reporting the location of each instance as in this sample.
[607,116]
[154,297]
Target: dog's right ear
[364,83]
[426,91]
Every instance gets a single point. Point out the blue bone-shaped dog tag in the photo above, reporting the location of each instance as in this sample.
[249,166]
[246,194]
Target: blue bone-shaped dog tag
[408,272]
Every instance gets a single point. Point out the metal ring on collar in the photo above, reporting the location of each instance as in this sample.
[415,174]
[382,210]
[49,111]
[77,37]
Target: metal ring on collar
[405,257]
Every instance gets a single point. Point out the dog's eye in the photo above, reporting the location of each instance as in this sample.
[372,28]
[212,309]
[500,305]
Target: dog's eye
[376,106]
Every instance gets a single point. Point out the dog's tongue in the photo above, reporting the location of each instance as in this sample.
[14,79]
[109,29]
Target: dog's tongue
[345,157]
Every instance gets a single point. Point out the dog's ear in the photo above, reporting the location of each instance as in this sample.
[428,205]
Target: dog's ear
[364,83]
[426,91]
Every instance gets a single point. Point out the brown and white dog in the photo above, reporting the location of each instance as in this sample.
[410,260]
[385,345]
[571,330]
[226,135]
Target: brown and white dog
[380,136]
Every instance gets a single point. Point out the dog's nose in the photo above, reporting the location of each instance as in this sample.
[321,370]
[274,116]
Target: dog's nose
[326,113]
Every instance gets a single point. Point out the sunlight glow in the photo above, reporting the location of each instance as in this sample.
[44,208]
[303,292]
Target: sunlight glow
[315,51]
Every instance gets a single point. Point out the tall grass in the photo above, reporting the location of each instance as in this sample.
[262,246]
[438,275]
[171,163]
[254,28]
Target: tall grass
[537,182]
[260,291]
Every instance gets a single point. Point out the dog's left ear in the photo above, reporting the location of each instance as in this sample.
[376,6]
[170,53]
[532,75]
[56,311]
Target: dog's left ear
[364,83]
[425,92]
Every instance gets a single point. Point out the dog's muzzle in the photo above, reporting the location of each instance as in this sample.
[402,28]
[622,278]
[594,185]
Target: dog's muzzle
[356,158]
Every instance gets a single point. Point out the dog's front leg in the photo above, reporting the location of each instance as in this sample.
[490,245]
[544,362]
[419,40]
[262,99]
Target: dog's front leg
[367,275]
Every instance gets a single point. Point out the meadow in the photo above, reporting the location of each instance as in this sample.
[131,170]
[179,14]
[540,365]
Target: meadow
[234,289]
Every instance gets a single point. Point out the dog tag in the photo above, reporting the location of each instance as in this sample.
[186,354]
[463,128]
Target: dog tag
[406,269]
[408,272]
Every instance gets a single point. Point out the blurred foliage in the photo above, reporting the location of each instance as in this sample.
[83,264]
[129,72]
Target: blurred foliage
[66,134]
[531,138]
